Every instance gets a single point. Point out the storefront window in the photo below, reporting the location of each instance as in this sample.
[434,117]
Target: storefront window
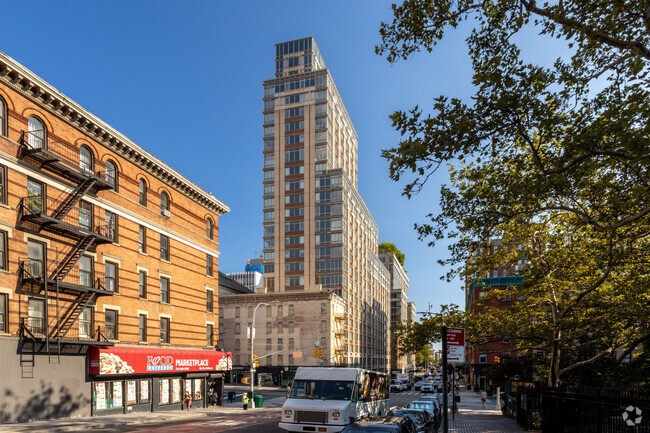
[197,389]
[131,392]
[188,386]
[117,394]
[176,390]
[144,391]
[164,391]
[101,402]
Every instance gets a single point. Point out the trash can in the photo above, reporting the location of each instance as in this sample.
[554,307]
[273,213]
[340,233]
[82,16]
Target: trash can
[259,398]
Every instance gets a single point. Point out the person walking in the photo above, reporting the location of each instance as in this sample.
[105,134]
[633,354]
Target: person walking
[244,400]
[288,391]
[483,397]
[188,400]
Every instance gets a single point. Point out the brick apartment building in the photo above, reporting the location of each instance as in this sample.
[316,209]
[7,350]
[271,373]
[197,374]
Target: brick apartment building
[108,265]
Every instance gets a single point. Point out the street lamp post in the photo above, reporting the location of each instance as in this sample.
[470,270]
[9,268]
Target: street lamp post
[252,330]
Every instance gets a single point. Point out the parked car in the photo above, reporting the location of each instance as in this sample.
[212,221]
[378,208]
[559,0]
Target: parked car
[418,385]
[438,404]
[426,387]
[407,385]
[395,386]
[424,422]
[429,406]
[382,424]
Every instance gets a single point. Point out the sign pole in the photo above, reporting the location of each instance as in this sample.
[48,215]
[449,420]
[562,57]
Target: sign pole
[445,421]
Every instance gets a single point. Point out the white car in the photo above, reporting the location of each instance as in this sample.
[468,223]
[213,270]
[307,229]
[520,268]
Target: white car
[427,387]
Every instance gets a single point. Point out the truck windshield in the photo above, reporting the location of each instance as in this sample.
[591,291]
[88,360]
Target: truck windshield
[322,389]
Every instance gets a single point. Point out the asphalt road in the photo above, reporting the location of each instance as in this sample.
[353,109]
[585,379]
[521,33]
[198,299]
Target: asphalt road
[240,422]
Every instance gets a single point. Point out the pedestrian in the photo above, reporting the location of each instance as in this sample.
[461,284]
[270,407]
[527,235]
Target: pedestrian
[188,400]
[483,397]
[288,391]
[244,400]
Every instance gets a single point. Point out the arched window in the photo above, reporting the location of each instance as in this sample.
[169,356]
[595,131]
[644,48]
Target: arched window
[111,174]
[208,228]
[164,204]
[86,159]
[143,192]
[36,133]
[3,117]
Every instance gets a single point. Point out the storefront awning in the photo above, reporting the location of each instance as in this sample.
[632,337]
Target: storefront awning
[127,360]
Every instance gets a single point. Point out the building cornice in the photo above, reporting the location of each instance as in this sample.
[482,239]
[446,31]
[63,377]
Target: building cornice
[40,92]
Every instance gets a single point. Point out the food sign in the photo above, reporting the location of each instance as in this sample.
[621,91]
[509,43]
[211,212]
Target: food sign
[122,360]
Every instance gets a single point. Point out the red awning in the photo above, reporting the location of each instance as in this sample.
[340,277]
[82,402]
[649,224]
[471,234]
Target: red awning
[132,360]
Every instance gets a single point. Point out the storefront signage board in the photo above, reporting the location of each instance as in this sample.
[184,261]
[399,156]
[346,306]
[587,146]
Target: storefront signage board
[123,360]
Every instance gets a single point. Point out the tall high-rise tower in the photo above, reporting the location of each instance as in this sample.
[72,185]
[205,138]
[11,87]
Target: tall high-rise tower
[318,233]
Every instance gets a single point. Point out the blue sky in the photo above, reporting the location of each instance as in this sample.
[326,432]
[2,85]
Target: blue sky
[184,81]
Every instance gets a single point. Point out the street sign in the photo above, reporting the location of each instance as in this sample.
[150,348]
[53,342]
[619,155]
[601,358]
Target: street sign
[455,345]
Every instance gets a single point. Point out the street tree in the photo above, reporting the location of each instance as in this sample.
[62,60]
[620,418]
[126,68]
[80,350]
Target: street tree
[551,158]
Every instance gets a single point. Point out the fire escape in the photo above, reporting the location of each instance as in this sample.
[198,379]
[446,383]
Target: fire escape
[339,340]
[57,277]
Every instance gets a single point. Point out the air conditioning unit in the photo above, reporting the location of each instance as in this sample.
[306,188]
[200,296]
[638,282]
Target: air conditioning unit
[166,213]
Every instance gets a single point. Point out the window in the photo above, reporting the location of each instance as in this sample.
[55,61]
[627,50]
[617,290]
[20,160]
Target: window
[35,259]
[86,215]
[164,290]
[143,192]
[293,170]
[110,220]
[294,198]
[294,240]
[164,247]
[142,328]
[269,230]
[37,134]
[86,271]
[4,251]
[110,272]
[268,327]
[280,360]
[294,155]
[280,344]
[237,344]
[482,358]
[142,239]
[209,334]
[237,328]
[294,185]
[208,228]
[280,311]
[208,265]
[294,211]
[3,117]
[269,345]
[291,254]
[86,159]
[294,226]
[290,328]
[3,184]
[294,266]
[110,324]
[164,330]
[209,296]
[291,343]
[269,215]
[86,323]
[269,161]
[111,174]
[142,282]
[295,281]
[35,315]
[237,312]
[4,303]
[291,310]
[294,139]
[164,204]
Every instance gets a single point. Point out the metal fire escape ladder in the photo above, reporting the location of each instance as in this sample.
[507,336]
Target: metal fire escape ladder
[66,205]
[73,257]
[72,314]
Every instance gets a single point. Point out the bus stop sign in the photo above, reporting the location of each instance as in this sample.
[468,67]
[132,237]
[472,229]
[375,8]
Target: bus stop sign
[455,345]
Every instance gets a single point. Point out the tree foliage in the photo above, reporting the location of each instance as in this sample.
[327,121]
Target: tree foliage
[387,247]
[553,158]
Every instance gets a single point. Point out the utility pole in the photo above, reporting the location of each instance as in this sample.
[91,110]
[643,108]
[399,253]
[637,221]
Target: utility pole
[445,420]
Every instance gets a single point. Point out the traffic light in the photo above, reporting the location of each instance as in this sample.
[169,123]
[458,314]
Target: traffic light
[497,359]
[320,352]
[256,363]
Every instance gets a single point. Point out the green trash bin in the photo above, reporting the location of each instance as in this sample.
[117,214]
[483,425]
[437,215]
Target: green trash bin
[259,399]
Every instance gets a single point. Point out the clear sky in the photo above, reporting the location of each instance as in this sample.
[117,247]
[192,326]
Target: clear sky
[183,79]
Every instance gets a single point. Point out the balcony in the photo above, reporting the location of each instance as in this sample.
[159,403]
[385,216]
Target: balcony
[84,333]
[57,216]
[62,158]
[33,271]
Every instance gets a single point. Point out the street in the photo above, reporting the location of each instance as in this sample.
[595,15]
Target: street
[251,421]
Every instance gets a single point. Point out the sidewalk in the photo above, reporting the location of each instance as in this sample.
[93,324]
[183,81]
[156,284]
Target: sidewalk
[120,420]
[472,417]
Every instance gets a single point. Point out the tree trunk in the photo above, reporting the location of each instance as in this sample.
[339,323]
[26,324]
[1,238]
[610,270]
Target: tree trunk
[554,370]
